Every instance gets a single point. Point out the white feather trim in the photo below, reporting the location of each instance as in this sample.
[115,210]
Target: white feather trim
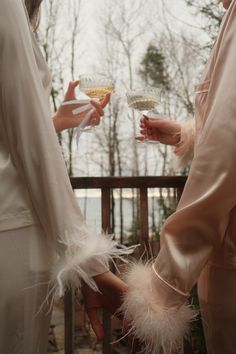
[159,329]
[185,148]
[85,255]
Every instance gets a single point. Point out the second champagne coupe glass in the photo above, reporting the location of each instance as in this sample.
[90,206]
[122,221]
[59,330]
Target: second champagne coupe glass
[95,86]
[145,100]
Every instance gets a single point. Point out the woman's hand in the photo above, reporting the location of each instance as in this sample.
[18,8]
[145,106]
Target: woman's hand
[165,131]
[112,290]
[64,117]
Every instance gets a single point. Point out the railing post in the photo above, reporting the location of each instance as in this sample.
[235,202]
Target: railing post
[69,321]
[106,211]
[144,229]
[106,226]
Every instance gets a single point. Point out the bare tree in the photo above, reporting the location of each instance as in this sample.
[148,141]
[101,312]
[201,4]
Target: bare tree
[75,37]
[48,38]
[60,38]
[122,34]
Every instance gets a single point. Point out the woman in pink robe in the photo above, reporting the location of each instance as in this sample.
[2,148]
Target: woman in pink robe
[198,242]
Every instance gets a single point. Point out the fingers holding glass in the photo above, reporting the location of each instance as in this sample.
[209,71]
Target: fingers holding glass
[163,130]
[145,101]
[98,107]
[98,88]
[95,119]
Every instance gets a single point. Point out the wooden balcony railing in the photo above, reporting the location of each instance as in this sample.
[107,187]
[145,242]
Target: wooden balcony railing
[106,185]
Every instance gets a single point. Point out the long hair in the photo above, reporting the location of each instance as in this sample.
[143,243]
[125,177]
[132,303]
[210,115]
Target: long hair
[33,8]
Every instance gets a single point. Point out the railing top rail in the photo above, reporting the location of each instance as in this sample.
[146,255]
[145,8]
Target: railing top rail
[128,182]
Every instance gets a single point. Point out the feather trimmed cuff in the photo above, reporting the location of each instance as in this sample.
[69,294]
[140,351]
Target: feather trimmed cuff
[159,328]
[185,148]
[85,257]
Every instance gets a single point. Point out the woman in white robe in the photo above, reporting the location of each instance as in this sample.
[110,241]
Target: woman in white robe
[45,245]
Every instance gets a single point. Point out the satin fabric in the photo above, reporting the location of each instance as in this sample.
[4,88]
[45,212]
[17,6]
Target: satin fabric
[28,133]
[198,241]
[24,273]
[35,187]
[40,219]
[16,209]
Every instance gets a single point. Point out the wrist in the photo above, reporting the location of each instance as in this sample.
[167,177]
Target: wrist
[166,295]
[159,325]
[57,121]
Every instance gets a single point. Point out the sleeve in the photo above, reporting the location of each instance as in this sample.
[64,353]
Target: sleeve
[157,303]
[185,148]
[35,151]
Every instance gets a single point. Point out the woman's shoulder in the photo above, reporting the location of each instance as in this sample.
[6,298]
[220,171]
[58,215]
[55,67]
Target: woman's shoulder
[13,14]
[14,25]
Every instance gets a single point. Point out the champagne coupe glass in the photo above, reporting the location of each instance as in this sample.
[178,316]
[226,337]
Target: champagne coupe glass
[95,86]
[145,100]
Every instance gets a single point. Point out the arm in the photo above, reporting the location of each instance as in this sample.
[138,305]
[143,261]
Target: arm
[196,230]
[64,118]
[180,136]
[32,141]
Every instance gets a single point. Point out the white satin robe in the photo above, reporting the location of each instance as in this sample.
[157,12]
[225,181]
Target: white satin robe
[42,233]
[198,242]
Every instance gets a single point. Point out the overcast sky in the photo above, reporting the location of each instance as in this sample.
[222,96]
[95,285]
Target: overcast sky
[179,16]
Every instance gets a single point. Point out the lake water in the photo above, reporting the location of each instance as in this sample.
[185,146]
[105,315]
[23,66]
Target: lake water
[91,209]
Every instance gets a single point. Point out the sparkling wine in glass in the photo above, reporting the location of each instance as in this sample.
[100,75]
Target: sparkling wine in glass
[145,100]
[95,86]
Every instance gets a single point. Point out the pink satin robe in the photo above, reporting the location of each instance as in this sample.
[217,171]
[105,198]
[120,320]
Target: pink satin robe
[199,239]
